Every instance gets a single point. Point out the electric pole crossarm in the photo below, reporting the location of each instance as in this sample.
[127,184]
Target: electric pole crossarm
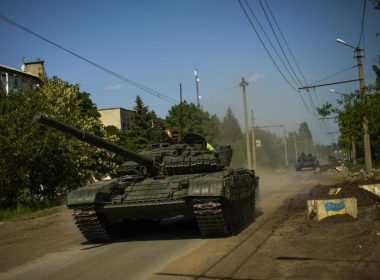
[329,84]
[267,126]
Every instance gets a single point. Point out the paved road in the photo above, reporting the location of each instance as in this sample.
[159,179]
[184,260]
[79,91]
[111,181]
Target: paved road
[149,249]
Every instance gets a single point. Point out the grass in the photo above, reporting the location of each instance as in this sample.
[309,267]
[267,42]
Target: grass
[36,210]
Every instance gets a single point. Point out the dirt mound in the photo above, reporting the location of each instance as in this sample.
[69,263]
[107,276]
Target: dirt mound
[337,219]
[348,189]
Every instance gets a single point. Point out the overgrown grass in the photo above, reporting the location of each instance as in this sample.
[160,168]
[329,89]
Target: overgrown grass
[30,211]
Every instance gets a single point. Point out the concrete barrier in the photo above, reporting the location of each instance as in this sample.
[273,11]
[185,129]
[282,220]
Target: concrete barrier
[375,188]
[323,208]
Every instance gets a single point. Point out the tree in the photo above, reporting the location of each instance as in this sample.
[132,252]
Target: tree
[305,138]
[230,129]
[271,152]
[141,121]
[194,120]
[38,161]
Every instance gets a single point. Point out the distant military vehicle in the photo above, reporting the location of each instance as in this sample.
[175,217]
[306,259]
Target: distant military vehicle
[169,179]
[306,162]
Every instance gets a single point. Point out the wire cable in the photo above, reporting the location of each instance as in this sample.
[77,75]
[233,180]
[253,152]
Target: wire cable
[140,86]
[266,49]
[283,37]
[270,56]
[270,42]
[333,75]
[312,103]
[279,44]
[362,28]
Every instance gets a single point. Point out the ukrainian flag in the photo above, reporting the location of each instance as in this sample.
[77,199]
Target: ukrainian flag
[335,208]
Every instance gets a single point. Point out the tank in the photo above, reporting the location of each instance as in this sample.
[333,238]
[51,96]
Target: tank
[172,178]
[306,162]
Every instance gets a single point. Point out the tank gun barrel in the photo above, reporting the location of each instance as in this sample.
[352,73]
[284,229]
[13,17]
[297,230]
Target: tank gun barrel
[94,140]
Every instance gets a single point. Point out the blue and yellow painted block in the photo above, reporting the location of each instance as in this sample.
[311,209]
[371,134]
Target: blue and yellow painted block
[335,208]
[323,208]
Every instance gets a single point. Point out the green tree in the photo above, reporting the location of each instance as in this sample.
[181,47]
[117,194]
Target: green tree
[38,161]
[305,138]
[230,134]
[141,122]
[230,129]
[271,152]
[194,120]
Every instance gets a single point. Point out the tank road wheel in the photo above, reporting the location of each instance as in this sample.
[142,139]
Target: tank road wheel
[93,226]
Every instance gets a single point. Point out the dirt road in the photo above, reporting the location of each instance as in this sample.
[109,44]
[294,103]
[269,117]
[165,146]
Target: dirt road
[52,248]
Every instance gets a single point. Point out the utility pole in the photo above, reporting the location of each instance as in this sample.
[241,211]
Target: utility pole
[286,147]
[295,145]
[243,84]
[366,139]
[254,163]
[197,86]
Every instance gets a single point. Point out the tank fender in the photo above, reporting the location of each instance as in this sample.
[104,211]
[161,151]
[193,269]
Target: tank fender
[94,193]
[206,187]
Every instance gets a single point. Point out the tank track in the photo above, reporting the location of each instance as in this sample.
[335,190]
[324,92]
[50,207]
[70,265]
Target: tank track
[220,218]
[93,227]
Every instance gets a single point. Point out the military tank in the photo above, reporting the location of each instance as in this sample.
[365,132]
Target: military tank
[306,162]
[169,179]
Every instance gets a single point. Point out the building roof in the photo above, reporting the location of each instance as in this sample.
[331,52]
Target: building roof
[35,62]
[18,72]
[113,108]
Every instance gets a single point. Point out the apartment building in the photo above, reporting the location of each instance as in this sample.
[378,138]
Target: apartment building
[14,79]
[119,117]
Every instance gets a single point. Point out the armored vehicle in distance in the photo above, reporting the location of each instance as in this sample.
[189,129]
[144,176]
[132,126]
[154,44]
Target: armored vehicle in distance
[306,162]
[169,179]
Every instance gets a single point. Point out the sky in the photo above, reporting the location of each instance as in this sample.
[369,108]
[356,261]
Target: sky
[158,44]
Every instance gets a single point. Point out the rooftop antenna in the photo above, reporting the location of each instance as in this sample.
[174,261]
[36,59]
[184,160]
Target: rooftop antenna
[197,86]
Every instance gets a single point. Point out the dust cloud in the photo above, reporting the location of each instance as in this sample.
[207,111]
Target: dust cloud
[276,187]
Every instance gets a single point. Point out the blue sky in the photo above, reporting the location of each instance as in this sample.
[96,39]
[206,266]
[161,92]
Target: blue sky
[159,44]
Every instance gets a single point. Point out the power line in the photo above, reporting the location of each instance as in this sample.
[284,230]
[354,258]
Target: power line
[329,84]
[311,111]
[270,56]
[266,49]
[283,37]
[308,93]
[278,42]
[140,86]
[283,52]
[312,103]
[270,42]
[290,51]
[362,28]
[335,74]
